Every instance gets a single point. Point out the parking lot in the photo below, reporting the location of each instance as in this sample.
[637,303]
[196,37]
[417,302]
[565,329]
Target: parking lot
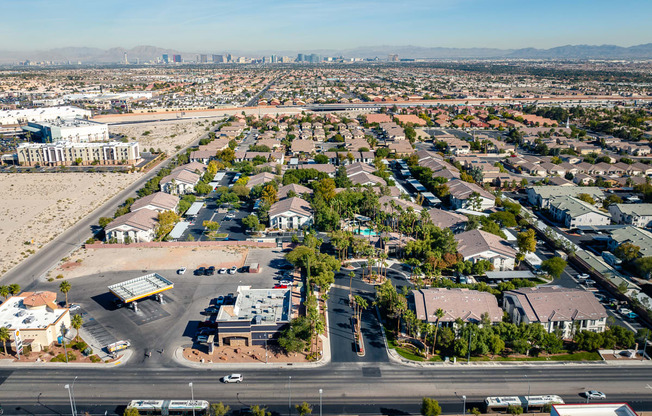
[162,327]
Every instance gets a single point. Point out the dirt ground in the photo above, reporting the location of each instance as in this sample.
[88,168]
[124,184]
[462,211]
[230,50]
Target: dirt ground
[94,261]
[163,135]
[253,354]
[52,352]
[37,207]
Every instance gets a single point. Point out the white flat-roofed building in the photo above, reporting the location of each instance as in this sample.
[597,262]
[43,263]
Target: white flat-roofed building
[75,130]
[66,153]
[639,215]
[42,114]
[592,409]
[36,316]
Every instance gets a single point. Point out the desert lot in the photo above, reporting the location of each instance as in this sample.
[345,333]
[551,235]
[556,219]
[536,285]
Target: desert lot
[164,135]
[36,207]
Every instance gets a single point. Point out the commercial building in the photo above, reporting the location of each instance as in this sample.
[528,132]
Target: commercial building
[141,287]
[34,319]
[176,58]
[592,409]
[639,215]
[257,316]
[42,114]
[70,130]
[467,305]
[556,308]
[66,153]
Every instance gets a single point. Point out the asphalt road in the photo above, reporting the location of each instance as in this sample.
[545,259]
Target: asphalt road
[348,388]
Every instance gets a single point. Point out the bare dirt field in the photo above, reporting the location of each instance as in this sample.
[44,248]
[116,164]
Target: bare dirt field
[36,207]
[164,135]
[86,262]
[250,354]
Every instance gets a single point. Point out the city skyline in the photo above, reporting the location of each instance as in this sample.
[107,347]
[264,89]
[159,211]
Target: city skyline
[294,25]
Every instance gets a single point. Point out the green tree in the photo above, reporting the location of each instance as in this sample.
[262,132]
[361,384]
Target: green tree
[211,225]
[269,194]
[251,222]
[260,411]
[644,266]
[303,408]
[4,291]
[554,266]
[104,221]
[4,338]
[76,322]
[514,410]
[627,251]
[526,242]
[219,409]
[131,411]
[586,198]
[14,289]
[202,188]
[166,222]
[64,287]
[430,407]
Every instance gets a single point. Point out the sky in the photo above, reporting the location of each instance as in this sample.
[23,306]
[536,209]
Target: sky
[277,25]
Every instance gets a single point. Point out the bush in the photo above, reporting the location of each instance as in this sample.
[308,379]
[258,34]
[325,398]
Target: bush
[95,359]
[80,346]
[61,358]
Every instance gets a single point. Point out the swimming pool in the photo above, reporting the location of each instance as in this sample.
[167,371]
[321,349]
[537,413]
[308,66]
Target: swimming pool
[366,231]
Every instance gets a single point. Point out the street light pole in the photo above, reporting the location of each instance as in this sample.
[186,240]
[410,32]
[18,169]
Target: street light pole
[320,392]
[468,354]
[464,405]
[192,395]
[72,391]
[527,401]
[72,409]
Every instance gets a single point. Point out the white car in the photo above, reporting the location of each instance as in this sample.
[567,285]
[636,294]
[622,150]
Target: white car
[74,307]
[181,270]
[583,276]
[222,271]
[232,270]
[594,394]
[232,378]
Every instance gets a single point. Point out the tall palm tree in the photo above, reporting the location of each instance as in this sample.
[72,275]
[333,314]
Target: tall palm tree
[4,337]
[14,289]
[64,287]
[4,291]
[77,322]
[439,313]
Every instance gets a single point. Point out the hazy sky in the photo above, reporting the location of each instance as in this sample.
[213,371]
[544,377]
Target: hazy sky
[217,25]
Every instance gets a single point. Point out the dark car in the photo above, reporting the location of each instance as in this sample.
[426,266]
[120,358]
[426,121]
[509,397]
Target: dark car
[210,271]
[200,272]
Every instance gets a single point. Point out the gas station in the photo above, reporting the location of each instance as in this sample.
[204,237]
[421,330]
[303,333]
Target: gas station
[130,291]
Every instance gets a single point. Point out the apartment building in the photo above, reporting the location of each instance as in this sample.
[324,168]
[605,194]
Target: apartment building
[64,153]
[74,130]
[638,215]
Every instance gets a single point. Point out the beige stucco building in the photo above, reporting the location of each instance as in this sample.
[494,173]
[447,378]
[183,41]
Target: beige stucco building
[67,153]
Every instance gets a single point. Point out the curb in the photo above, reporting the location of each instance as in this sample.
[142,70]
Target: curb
[122,360]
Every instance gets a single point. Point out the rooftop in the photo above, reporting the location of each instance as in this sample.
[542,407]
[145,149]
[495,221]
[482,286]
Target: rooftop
[592,409]
[141,287]
[555,303]
[468,305]
[30,310]
[271,305]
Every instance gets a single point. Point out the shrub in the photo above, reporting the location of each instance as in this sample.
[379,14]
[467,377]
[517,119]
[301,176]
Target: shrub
[95,359]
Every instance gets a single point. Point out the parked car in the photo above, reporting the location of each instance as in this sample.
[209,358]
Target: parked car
[74,307]
[594,394]
[285,282]
[202,338]
[232,378]
[181,270]
[233,270]
[212,309]
[280,286]
[582,276]
[219,300]
[210,271]
[200,271]
[222,270]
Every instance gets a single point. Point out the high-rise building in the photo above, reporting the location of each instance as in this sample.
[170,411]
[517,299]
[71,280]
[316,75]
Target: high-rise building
[218,59]
[203,58]
[300,57]
[176,58]
[166,58]
[314,58]
[126,60]
[392,58]
[229,58]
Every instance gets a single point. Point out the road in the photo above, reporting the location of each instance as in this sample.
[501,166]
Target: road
[254,100]
[348,388]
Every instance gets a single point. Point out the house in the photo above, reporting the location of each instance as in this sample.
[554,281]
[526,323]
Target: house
[259,179]
[202,156]
[377,118]
[179,182]
[638,215]
[469,196]
[636,236]
[476,245]
[556,308]
[297,189]
[194,167]
[302,146]
[448,219]
[290,213]
[573,212]
[468,305]
[135,227]
[35,317]
[540,196]
[158,201]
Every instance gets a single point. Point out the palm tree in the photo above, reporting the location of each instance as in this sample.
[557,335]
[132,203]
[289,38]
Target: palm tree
[64,287]
[4,291]
[14,289]
[77,322]
[4,337]
[439,313]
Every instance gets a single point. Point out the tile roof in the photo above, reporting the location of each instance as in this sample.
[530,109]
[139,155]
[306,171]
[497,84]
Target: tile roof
[144,219]
[555,304]
[165,201]
[467,305]
[474,242]
[295,205]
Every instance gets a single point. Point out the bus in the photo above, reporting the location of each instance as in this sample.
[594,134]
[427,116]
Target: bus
[500,404]
[170,407]
[118,346]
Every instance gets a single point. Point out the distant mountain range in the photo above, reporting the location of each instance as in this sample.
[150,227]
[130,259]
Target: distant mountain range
[149,53]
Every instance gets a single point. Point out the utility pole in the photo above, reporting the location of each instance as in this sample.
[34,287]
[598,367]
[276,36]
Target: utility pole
[72,391]
[527,401]
[645,345]
[468,353]
[464,405]
[192,395]
[72,409]
[289,395]
[320,393]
